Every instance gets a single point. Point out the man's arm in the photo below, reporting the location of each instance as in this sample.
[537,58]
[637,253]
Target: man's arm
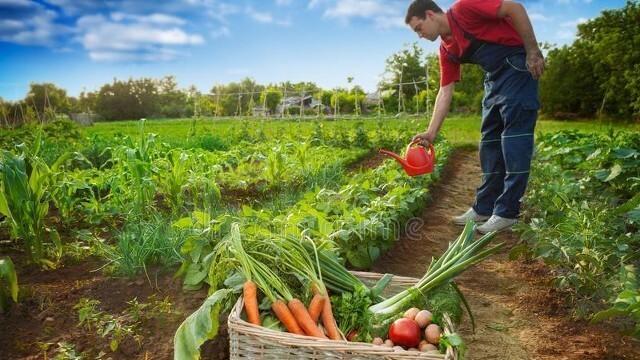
[522,24]
[440,111]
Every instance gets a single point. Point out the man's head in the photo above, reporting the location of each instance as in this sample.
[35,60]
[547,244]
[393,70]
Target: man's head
[421,17]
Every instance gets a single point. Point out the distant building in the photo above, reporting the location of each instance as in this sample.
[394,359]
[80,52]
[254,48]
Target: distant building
[292,105]
[260,111]
[84,119]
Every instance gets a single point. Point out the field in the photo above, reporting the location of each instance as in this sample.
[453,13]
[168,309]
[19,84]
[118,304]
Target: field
[120,231]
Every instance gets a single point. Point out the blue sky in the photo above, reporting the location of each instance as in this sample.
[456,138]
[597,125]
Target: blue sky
[80,45]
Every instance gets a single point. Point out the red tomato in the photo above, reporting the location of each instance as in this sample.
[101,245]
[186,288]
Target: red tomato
[405,332]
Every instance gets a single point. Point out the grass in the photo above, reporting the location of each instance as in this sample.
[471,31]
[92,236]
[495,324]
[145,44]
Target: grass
[461,131]
[464,131]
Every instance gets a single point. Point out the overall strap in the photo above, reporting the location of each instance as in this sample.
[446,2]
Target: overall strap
[474,43]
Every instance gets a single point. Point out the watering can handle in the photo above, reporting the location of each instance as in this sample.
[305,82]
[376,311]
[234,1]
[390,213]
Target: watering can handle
[414,142]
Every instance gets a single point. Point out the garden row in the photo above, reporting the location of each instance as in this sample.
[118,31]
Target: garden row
[583,217]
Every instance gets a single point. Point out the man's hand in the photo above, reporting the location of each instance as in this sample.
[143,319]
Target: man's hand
[535,63]
[424,138]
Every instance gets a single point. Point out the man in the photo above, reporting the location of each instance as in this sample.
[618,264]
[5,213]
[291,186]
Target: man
[498,36]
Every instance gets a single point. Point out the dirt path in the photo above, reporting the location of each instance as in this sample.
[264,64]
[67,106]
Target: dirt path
[518,314]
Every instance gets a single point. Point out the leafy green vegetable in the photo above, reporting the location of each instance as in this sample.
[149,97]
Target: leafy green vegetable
[351,311]
[200,326]
[8,283]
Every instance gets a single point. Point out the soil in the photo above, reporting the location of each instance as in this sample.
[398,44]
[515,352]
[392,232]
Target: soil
[518,313]
[372,160]
[45,316]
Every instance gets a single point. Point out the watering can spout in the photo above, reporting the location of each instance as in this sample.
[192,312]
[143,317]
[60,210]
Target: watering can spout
[418,160]
[395,156]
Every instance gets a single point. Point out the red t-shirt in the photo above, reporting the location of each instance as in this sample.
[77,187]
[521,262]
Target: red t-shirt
[479,18]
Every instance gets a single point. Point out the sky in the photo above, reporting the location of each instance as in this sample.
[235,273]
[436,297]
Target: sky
[81,45]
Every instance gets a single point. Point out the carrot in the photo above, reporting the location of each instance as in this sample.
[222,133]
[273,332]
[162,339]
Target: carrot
[249,292]
[304,320]
[286,317]
[329,321]
[315,307]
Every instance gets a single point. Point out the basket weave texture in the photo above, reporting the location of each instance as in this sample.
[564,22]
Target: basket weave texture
[248,341]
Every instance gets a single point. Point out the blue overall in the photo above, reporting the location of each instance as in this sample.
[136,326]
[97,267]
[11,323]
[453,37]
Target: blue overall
[509,113]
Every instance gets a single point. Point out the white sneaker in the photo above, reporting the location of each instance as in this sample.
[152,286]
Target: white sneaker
[469,215]
[496,223]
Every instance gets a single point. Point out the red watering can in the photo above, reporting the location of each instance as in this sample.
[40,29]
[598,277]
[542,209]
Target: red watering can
[418,160]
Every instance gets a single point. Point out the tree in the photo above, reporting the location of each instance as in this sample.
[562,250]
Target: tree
[599,72]
[271,98]
[133,99]
[171,101]
[406,67]
[47,97]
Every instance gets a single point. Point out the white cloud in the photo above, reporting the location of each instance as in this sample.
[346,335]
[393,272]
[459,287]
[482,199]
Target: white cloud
[357,8]
[574,23]
[10,25]
[29,23]
[73,7]
[539,17]
[384,14]
[161,19]
[265,17]
[315,3]
[128,38]
[221,32]
[565,34]
[387,22]
[262,17]
[221,11]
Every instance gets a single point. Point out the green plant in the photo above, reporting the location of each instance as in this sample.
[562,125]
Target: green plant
[627,303]
[114,328]
[142,243]
[66,351]
[25,183]
[8,284]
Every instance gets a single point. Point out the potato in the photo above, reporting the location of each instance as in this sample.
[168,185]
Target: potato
[412,349]
[398,348]
[427,347]
[377,341]
[411,313]
[423,318]
[432,334]
[388,343]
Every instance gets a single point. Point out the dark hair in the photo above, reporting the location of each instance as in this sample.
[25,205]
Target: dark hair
[419,7]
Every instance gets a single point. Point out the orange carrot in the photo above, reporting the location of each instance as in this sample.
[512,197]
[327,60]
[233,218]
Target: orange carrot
[286,317]
[250,294]
[301,314]
[329,321]
[315,307]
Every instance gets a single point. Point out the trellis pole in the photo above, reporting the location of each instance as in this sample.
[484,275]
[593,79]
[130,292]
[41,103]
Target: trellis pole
[302,103]
[426,85]
[415,86]
[264,102]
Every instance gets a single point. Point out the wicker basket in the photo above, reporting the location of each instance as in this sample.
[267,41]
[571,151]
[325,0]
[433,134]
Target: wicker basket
[248,341]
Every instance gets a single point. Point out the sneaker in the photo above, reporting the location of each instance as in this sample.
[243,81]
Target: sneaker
[496,223]
[469,215]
